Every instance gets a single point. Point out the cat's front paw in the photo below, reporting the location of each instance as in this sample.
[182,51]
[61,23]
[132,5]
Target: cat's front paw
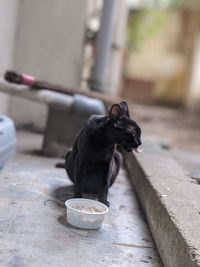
[107,203]
[77,195]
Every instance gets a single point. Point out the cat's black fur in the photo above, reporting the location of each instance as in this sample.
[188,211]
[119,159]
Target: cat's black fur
[94,162]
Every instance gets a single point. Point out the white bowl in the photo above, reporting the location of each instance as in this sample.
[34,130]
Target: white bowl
[85,213]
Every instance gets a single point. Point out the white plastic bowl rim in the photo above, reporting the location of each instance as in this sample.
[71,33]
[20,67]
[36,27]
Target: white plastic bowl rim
[69,202]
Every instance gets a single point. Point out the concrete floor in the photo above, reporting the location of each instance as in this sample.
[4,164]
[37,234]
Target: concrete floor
[33,229]
[176,130]
[179,128]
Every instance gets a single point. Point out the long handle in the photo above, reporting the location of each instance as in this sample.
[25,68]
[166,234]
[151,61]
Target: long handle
[14,77]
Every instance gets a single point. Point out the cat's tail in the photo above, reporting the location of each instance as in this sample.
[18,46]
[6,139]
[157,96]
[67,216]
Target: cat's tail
[60,165]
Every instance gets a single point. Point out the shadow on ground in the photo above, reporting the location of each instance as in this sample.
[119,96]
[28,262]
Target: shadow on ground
[61,194]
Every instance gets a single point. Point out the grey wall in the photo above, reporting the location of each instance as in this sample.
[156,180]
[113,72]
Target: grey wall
[49,44]
[8,14]
[49,40]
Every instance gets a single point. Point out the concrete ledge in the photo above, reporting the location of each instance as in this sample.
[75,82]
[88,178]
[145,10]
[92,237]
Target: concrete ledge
[171,202]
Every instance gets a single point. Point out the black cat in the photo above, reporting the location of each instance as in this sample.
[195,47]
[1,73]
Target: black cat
[93,163]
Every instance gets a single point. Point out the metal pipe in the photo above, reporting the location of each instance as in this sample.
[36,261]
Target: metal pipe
[115,73]
[42,96]
[103,46]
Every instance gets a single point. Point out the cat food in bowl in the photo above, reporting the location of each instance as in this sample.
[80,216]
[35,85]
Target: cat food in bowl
[85,213]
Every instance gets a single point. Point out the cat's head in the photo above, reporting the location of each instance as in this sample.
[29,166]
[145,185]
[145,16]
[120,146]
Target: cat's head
[125,131]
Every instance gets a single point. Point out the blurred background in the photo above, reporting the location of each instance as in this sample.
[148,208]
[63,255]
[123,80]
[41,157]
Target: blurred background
[144,51]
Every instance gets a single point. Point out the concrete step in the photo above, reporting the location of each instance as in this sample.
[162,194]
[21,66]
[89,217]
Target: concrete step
[171,202]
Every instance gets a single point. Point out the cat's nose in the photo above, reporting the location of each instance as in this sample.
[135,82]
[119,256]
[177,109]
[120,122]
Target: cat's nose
[138,142]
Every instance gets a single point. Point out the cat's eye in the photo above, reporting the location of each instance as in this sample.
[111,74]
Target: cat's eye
[131,129]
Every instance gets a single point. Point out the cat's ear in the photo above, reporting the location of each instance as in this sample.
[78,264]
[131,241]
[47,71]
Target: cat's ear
[124,108]
[115,112]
